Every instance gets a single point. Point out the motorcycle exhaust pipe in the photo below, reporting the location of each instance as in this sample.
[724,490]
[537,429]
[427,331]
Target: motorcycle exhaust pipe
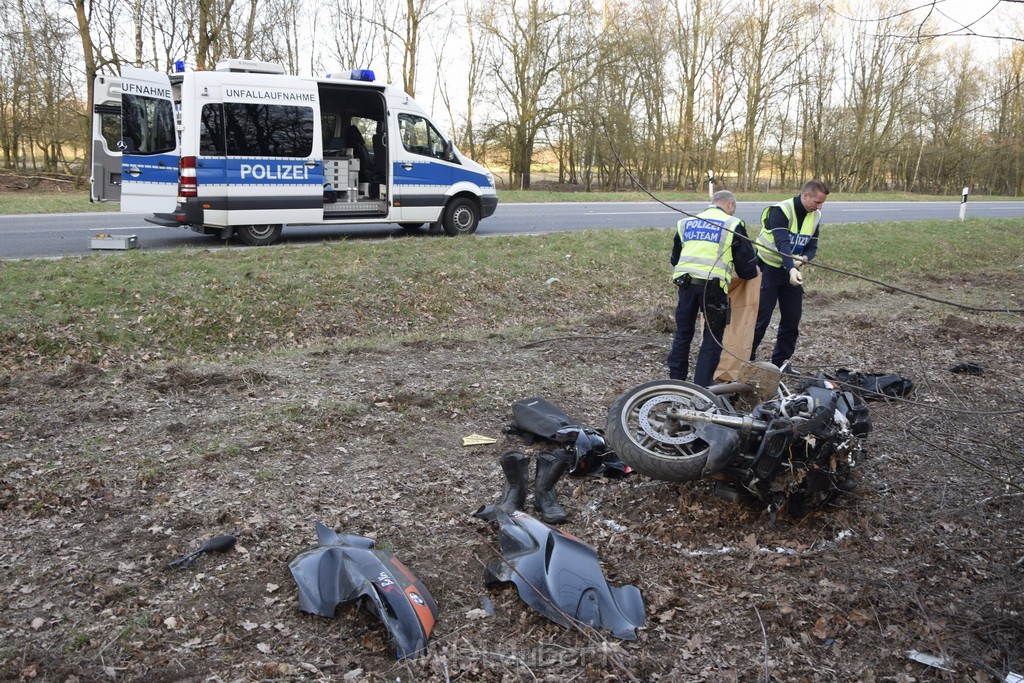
[732,388]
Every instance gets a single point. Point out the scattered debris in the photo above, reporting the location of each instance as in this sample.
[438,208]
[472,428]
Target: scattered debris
[477,440]
[218,544]
[537,419]
[559,576]
[347,568]
[875,386]
[82,464]
[968,369]
[930,660]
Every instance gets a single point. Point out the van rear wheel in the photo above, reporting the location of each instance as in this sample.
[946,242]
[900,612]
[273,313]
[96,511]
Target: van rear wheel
[461,217]
[258,235]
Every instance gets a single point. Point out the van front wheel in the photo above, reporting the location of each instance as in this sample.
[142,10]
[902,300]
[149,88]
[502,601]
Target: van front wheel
[258,235]
[461,217]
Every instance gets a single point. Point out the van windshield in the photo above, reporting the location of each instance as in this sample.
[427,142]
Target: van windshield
[147,125]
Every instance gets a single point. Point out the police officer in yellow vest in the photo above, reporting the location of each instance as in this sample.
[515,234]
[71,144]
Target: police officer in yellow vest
[788,239]
[706,251]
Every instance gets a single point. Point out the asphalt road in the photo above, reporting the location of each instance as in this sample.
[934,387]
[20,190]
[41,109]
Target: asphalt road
[55,235]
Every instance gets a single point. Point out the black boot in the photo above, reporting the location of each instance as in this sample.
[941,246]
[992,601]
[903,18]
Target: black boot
[550,468]
[516,467]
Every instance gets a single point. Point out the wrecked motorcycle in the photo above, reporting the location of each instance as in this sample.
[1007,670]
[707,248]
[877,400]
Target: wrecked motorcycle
[798,449]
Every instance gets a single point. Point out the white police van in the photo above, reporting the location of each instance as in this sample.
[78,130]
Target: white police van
[245,149]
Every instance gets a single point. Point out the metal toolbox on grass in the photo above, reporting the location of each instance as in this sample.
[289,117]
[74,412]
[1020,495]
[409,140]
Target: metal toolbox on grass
[104,241]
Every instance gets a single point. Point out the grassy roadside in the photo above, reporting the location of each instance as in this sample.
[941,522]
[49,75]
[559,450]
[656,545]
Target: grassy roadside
[16,203]
[26,202]
[237,303]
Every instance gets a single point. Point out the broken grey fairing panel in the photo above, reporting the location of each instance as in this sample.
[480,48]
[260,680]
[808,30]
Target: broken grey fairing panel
[346,568]
[559,576]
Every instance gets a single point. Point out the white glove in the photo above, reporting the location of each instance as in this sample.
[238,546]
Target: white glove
[795,278]
[799,258]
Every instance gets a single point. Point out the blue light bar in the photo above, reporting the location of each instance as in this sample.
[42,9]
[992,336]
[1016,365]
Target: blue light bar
[179,66]
[362,75]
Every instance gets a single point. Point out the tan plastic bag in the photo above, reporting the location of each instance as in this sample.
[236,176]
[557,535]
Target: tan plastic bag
[739,334]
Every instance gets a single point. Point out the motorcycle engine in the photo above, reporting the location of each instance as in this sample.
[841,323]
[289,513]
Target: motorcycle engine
[821,447]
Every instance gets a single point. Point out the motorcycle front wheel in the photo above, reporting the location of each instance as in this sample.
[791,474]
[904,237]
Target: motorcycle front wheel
[646,429]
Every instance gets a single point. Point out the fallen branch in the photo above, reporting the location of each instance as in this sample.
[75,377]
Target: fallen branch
[18,176]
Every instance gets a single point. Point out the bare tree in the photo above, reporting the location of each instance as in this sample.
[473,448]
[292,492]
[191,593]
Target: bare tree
[14,80]
[354,39]
[814,108]
[695,34]
[880,68]
[760,89]
[953,157]
[581,128]
[478,43]
[1006,153]
[214,21]
[652,63]
[525,66]
[39,114]
[414,17]
[927,28]
[771,36]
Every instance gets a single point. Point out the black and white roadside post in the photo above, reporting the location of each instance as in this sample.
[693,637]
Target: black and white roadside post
[711,185]
[963,204]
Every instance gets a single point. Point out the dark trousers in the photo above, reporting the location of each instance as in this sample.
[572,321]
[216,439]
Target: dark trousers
[710,300]
[775,289]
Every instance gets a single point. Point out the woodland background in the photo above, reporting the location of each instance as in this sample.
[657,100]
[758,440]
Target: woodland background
[898,96]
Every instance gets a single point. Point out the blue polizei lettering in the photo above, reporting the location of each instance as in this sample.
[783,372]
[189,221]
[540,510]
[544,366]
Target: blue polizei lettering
[801,240]
[702,230]
[266,172]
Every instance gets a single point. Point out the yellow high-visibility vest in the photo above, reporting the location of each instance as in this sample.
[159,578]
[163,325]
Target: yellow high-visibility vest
[707,246]
[765,243]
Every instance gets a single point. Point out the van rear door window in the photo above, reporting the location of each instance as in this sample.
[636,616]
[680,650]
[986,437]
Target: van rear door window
[147,125]
[110,124]
[268,130]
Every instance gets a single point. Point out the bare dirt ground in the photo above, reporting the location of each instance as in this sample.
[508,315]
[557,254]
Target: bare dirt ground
[107,474]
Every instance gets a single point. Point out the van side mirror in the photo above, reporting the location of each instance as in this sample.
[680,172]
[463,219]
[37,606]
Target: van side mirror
[449,151]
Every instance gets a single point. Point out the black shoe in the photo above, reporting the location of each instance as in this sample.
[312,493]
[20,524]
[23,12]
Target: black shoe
[516,468]
[550,468]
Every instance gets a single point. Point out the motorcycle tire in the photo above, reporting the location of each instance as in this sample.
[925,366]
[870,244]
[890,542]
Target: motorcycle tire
[643,435]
